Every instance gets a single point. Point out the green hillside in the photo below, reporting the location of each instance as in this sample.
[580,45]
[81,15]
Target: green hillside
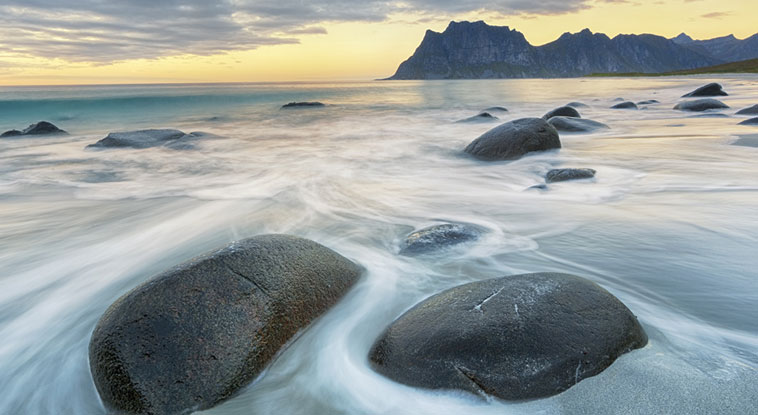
[748,66]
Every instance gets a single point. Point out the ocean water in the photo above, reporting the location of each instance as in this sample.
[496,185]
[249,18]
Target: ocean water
[668,226]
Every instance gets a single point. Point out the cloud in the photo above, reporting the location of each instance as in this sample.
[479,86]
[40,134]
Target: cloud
[107,31]
[716,15]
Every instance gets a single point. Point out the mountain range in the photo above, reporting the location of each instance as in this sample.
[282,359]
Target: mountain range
[471,50]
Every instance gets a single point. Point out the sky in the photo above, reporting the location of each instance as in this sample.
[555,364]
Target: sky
[63,42]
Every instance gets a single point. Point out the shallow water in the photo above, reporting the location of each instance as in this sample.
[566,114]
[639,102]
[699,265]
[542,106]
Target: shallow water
[668,226]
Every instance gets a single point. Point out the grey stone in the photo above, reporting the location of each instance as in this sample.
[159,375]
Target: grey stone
[750,140]
[649,102]
[576,104]
[195,334]
[627,105]
[496,109]
[520,337]
[481,117]
[562,112]
[749,110]
[700,105]
[148,138]
[40,128]
[438,237]
[575,125]
[514,139]
[710,90]
[562,175]
[303,105]
[752,121]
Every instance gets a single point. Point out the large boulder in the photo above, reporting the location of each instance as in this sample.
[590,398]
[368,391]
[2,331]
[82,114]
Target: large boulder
[40,128]
[701,105]
[520,337]
[514,139]
[562,112]
[752,121]
[303,105]
[194,335]
[749,110]
[148,138]
[710,90]
[575,125]
[562,175]
[627,105]
[439,237]
[481,117]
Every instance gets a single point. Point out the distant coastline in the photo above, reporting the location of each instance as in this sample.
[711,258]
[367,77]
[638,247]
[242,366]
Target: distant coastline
[747,66]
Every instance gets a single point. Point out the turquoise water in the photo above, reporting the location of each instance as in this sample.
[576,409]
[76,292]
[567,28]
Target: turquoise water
[668,226]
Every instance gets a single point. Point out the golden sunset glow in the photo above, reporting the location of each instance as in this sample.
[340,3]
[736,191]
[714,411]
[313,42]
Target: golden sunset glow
[352,50]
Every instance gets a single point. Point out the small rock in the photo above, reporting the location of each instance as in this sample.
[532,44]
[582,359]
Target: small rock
[649,102]
[482,117]
[514,139]
[627,105]
[576,104]
[752,121]
[562,175]
[40,128]
[747,141]
[562,112]
[303,105]
[519,337]
[699,105]
[148,138]
[496,109]
[435,238]
[11,133]
[575,125]
[710,90]
[749,110]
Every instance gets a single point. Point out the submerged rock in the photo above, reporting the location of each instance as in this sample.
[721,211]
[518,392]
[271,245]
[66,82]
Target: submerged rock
[752,121]
[481,117]
[649,102]
[438,237]
[749,110]
[514,139]
[519,337]
[496,109]
[303,105]
[627,105]
[747,141]
[562,175]
[700,105]
[562,112]
[148,138]
[575,125]
[40,128]
[710,90]
[576,104]
[194,335]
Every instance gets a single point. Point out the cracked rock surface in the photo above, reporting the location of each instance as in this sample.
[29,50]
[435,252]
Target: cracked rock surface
[195,334]
[519,337]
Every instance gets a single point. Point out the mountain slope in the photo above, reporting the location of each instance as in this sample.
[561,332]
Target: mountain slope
[726,48]
[477,50]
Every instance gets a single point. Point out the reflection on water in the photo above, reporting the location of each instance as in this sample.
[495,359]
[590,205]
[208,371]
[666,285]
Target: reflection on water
[668,226]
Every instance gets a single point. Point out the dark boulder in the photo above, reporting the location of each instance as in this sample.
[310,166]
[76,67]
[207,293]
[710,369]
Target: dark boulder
[562,175]
[627,105]
[749,110]
[562,112]
[519,337]
[303,105]
[438,237]
[148,138]
[481,117]
[575,125]
[194,335]
[752,121]
[710,90]
[40,128]
[649,102]
[700,105]
[496,109]
[576,104]
[514,139]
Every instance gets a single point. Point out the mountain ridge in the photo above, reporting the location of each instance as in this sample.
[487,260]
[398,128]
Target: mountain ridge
[472,50]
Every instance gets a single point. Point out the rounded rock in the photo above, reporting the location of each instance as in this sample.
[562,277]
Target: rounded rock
[575,125]
[699,105]
[514,139]
[438,237]
[710,90]
[562,112]
[628,105]
[520,337]
[562,175]
[194,335]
